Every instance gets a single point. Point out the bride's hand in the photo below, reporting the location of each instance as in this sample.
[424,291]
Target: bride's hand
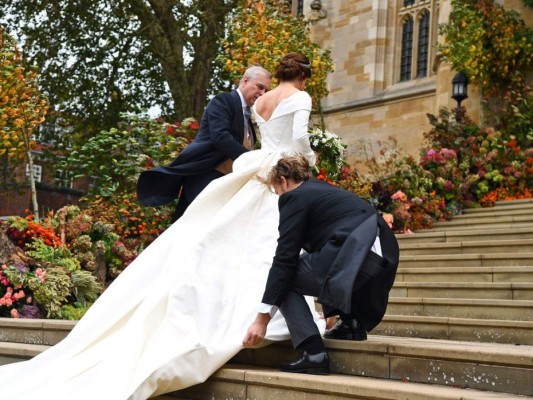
[257,331]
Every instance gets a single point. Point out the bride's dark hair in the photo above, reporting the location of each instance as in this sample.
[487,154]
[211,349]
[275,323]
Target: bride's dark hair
[292,66]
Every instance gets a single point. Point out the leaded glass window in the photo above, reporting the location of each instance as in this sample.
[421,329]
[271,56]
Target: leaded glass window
[407,50]
[423,45]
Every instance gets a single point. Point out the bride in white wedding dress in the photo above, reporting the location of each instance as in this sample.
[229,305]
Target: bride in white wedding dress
[181,309]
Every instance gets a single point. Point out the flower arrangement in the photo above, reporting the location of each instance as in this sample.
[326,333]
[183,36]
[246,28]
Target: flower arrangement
[331,153]
[16,297]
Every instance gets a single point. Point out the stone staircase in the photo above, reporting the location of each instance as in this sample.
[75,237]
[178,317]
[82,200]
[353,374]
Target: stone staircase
[459,325]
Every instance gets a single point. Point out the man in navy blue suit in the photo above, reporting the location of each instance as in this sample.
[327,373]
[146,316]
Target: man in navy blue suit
[226,132]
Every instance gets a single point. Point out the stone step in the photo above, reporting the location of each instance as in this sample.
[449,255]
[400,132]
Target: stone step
[472,274]
[491,368]
[14,352]
[515,310]
[467,260]
[502,368]
[465,329]
[34,331]
[224,384]
[524,204]
[485,223]
[473,214]
[248,382]
[430,236]
[468,247]
[464,290]
[488,367]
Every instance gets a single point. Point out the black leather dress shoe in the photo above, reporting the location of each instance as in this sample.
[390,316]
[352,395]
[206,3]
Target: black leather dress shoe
[348,329]
[316,364]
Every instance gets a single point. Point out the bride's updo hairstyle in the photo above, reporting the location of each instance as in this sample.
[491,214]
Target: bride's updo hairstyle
[293,66]
[293,167]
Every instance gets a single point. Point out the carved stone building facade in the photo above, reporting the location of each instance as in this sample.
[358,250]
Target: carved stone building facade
[388,73]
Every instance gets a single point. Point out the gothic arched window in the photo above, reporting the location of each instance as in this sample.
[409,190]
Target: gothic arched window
[407,50]
[416,38]
[423,46]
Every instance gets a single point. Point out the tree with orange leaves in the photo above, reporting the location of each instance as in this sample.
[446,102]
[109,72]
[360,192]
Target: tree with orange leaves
[262,32]
[22,107]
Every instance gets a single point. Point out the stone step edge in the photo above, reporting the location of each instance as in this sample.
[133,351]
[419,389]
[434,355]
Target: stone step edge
[486,219]
[488,226]
[496,214]
[502,208]
[504,204]
[468,256]
[520,356]
[469,270]
[344,386]
[462,301]
[430,234]
[466,285]
[466,244]
[451,321]
[496,354]
[38,324]
[21,350]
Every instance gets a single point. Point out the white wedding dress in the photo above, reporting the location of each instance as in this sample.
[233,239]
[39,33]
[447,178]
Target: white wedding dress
[182,308]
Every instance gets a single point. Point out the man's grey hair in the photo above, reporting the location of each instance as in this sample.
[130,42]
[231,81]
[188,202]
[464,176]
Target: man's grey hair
[255,70]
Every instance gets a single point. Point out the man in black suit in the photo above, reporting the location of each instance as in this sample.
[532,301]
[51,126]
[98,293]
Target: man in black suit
[226,131]
[349,264]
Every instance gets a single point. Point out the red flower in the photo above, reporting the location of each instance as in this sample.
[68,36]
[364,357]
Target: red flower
[195,125]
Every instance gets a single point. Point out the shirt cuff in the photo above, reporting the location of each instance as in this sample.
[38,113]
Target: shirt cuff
[267,309]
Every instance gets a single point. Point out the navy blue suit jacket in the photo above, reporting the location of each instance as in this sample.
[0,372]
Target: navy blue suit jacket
[220,138]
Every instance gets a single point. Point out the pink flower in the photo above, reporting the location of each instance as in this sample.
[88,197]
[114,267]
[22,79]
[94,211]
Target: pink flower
[19,295]
[29,299]
[40,273]
[399,195]
[14,313]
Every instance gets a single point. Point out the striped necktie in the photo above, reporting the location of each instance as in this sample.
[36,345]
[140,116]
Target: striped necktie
[247,130]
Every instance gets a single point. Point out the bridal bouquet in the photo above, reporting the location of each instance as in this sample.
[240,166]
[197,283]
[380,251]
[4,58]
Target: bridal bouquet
[331,152]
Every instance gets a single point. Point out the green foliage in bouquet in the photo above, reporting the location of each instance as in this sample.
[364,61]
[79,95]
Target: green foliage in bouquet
[331,154]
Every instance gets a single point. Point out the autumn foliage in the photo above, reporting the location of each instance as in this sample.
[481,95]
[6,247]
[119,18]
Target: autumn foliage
[262,32]
[22,106]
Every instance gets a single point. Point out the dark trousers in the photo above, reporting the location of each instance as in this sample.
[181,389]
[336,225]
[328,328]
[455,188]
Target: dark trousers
[294,307]
[192,186]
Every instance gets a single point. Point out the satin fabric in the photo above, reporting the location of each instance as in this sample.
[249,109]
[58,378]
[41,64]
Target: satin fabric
[182,308]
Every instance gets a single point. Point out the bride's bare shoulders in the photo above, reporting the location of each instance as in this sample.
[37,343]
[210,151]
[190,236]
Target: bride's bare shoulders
[267,103]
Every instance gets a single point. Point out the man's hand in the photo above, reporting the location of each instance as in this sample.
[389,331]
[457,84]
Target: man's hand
[256,331]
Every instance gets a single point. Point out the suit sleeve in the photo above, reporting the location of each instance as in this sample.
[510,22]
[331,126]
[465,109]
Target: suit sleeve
[292,228]
[221,115]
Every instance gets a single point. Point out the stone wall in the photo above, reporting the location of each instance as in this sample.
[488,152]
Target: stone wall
[367,101]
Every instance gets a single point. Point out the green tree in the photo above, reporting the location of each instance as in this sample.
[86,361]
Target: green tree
[99,59]
[262,32]
[22,108]
[115,157]
[494,47]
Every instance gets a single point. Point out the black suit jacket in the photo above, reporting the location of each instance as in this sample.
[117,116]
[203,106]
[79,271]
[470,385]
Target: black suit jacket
[337,229]
[220,137]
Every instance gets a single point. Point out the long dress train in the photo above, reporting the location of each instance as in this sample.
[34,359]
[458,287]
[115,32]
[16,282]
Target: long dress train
[182,308]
